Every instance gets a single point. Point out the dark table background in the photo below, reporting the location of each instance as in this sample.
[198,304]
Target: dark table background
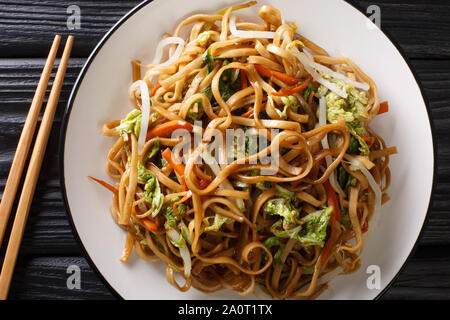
[420,28]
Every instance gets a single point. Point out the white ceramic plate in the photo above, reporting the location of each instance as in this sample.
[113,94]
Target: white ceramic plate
[100,95]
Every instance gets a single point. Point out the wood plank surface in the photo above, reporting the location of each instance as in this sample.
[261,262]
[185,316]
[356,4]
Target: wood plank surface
[26,25]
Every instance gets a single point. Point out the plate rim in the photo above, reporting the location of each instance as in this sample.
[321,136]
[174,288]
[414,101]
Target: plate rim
[85,69]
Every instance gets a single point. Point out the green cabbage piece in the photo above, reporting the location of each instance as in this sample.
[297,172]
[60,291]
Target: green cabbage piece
[208,60]
[181,242]
[314,229]
[278,230]
[344,179]
[203,37]
[285,193]
[142,241]
[311,230]
[289,102]
[155,148]
[283,208]
[226,85]
[131,123]
[172,219]
[355,132]
[264,185]
[218,222]
[152,191]
[251,143]
[308,92]
[355,111]
[353,147]
[337,107]
[196,116]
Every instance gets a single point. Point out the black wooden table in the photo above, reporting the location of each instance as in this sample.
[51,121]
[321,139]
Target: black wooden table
[421,28]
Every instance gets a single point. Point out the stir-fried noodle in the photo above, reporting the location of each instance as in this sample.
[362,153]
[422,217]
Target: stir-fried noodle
[248,159]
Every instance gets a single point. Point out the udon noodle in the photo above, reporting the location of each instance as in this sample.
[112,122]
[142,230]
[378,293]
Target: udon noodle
[227,217]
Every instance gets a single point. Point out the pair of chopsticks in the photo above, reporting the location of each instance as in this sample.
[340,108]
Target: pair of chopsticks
[35,163]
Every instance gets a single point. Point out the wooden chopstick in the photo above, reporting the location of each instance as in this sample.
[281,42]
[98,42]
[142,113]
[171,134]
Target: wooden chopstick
[32,175]
[25,140]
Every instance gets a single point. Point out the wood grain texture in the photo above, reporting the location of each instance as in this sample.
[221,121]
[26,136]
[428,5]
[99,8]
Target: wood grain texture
[421,28]
[44,277]
[26,25]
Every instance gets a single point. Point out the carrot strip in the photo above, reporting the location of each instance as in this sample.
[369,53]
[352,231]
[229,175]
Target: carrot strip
[177,166]
[106,185]
[203,183]
[248,114]
[279,75]
[290,91]
[332,200]
[155,89]
[335,215]
[295,183]
[264,71]
[165,129]
[384,107]
[244,82]
[149,224]
[365,227]
[367,139]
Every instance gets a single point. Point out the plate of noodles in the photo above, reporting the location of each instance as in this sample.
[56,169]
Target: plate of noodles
[259,150]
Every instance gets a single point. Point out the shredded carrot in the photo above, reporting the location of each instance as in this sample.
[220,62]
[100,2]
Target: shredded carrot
[203,179]
[165,129]
[289,91]
[177,166]
[279,75]
[244,82]
[167,169]
[106,185]
[367,139]
[384,107]
[295,183]
[149,224]
[365,227]
[335,215]
[332,200]
[248,114]
[203,183]
[155,89]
